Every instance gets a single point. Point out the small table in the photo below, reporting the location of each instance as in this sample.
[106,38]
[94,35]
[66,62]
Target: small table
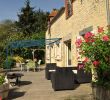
[16,76]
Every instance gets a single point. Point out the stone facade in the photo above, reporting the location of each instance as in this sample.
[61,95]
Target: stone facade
[87,16]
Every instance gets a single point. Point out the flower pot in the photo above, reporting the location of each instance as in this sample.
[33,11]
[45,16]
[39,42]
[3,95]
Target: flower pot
[4,89]
[100,93]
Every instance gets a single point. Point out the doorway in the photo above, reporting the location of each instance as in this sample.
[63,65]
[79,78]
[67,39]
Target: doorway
[68,53]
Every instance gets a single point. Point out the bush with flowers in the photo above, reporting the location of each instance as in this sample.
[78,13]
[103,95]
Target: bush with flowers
[95,47]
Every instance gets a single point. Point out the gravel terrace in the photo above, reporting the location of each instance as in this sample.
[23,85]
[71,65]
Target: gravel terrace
[34,86]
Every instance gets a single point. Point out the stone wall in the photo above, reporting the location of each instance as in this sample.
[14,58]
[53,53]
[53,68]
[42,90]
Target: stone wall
[86,14]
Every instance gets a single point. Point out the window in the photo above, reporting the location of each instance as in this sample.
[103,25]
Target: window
[58,51]
[69,8]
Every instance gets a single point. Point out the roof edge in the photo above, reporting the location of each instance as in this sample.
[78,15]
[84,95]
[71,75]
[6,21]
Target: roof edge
[61,11]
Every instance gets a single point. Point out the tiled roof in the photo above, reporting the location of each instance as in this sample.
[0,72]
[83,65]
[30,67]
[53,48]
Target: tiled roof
[59,13]
[53,13]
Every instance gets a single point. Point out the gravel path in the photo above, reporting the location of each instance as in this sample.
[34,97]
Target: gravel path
[34,86]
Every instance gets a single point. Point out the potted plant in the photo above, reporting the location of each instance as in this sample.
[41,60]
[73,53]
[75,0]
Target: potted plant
[95,47]
[4,87]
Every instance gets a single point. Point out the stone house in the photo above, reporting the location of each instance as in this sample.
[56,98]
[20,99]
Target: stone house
[71,21]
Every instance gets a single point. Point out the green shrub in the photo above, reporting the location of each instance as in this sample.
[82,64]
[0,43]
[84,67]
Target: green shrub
[18,59]
[2,79]
[95,47]
[9,63]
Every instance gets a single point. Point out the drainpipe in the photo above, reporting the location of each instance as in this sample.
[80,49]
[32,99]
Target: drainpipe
[108,13]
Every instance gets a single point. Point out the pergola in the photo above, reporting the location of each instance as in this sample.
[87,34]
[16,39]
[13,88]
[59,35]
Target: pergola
[30,43]
[25,44]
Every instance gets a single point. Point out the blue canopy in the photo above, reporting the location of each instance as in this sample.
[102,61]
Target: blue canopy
[23,43]
[26,43]
[30,43]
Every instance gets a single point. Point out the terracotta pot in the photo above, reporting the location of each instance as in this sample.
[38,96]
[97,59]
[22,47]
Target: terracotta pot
[4,89]
[100,93]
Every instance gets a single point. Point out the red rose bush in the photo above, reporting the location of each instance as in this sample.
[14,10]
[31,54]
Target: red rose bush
[95,48]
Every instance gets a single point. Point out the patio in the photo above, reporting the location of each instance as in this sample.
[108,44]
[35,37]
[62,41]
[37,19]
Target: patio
[34,86]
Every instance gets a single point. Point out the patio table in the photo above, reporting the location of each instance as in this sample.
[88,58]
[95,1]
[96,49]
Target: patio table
[16,76]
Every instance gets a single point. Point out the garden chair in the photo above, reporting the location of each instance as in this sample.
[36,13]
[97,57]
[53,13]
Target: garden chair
[38,66]
[31,65]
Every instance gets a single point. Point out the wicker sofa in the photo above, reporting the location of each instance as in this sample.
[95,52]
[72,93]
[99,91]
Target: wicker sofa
[62,79]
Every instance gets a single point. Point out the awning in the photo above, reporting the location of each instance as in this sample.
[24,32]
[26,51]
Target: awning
[52,41]
[26,43]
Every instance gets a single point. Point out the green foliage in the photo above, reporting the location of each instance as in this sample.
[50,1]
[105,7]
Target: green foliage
[41,21]
[96,47]
[30,21]
[23,52]
[7,34]
[31,25]
[2,79]
[18,59]
[9,63]
[26,21]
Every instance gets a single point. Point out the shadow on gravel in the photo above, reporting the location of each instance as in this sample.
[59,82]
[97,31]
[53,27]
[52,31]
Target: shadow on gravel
[13,94]
[22,83]
[76,86]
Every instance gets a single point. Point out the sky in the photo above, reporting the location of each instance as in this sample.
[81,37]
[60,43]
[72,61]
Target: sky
[10,8]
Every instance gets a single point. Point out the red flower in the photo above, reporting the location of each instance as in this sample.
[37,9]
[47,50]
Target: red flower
[96,63]
[105,38]
[88,35]
[100,30]
[78,42]
[89,40]
[80,66]
[85,60]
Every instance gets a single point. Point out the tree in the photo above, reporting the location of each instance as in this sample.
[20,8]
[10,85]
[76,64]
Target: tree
[31,25]
[7,34]
[26,19]
[41,21]
[32,21]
